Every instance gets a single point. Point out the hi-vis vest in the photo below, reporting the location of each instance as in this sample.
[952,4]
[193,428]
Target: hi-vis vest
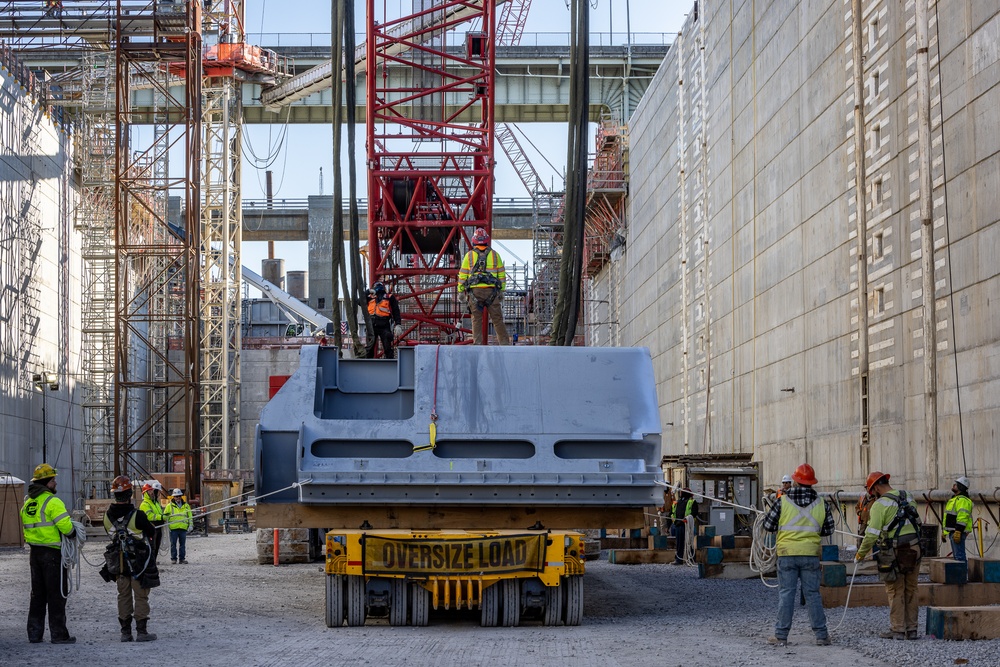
[493,273]
[152,509]
[687,509]
[178,517]
[799,528]
[45,520]
[380,308]
[957,515]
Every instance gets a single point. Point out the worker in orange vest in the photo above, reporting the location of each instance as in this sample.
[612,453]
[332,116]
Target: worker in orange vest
[383,307]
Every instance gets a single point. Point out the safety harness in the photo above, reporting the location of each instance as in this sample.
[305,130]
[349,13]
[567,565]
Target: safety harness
[128,553]
[480,274]
[888,543]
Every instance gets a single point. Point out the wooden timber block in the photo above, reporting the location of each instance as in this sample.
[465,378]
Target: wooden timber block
[728,571]
[660,542]
[636,532]
[742,541]
[709,556]
[706,571]
[984,570]
[707,531]
[964,622]
[724,541]
[833,574]
[654,530]
[948,571]
[736,555]
[639,556]
[941,595]
[830,553]
[702,541]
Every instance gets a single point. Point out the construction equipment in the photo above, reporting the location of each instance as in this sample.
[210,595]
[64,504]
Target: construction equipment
[486,446]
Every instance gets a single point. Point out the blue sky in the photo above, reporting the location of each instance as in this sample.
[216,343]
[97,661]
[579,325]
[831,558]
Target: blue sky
[307,148]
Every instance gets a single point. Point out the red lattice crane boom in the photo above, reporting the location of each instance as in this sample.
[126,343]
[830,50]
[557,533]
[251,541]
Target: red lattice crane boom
[430,143]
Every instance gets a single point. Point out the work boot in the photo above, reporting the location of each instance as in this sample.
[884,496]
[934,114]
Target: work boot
[64,640]
[173,561]
[912,634]
[892,635]
[825,641]
[140,631]
[775,641]
[126,624]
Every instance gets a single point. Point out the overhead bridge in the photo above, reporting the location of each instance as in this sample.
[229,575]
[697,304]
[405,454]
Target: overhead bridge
[292,219]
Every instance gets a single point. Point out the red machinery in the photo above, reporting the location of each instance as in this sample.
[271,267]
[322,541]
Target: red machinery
[430,155]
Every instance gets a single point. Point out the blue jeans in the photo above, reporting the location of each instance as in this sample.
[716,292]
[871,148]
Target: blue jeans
[792,570]
[176,536]
[958,548]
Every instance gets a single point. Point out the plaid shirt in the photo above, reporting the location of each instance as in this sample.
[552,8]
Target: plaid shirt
[801,496]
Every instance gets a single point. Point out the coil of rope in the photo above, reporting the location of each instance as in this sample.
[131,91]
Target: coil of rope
[763,551]
[72,549]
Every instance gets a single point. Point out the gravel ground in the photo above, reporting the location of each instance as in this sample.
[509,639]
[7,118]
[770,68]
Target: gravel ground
[224,609]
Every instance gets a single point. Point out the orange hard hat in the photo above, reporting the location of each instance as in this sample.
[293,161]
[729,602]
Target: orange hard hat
[804,475]
[120,484]
[874,477]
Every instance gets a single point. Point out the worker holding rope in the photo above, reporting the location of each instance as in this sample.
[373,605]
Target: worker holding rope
[45,520]
[801,519]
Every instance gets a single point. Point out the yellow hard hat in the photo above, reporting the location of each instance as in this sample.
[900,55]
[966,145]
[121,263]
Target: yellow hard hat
[43,471]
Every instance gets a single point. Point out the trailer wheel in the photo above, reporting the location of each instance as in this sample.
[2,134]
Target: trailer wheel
[420,609]
[398,603]
[490,606]
[511,603]
[355,600]
[334,600]
[553,605]
[573,602]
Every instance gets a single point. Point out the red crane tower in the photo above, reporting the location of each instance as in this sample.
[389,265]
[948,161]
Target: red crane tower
[430,136]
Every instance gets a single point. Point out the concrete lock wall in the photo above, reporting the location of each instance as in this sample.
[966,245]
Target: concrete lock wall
[742,245]
[40,266]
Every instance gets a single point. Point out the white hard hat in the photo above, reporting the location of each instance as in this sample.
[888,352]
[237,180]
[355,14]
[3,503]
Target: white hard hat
[786,478]
[963,480]
[176,492]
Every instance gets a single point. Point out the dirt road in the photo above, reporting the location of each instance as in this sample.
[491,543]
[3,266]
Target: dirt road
[224,609]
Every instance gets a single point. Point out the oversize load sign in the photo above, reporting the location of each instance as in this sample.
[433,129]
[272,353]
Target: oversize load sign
[508,553]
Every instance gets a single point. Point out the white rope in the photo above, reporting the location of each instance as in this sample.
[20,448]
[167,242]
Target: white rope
[847,602]
[229,501]
[690,532]
[72,548]
[763,550]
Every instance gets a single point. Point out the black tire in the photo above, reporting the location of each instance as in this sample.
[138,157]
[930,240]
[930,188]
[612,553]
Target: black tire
[355,600]
[399,607]
[510,604]
[490,606]
[553,605]
[334,600]
[573,600]
[420,605]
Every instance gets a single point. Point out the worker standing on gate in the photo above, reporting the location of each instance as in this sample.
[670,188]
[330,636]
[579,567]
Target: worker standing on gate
[151,506]
[386,320]
[894,526]
[180,520]
[132,538]
[958,518]
[45,520]
[483,280]
[685,509]
[801,519]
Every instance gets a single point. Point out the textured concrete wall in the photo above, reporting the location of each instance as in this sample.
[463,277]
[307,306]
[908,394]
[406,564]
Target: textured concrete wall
[256,368]
[742,247]
[39,293]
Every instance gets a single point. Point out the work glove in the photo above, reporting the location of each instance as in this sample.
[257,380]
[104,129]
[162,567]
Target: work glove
[944,538]
[858,558]
[956,537]
[397,330]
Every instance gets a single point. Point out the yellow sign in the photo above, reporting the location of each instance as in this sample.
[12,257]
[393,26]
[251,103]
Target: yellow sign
[494,555]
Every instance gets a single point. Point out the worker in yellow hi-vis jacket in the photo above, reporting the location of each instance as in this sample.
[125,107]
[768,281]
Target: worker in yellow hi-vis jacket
[483,280]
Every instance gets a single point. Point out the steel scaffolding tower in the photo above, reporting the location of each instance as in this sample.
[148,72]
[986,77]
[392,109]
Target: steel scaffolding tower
[95,154]
[157,277]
